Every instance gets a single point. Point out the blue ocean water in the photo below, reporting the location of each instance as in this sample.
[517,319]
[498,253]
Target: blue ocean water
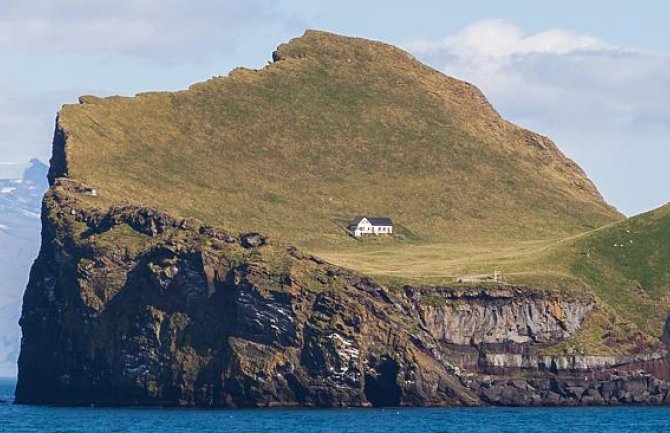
[24,419]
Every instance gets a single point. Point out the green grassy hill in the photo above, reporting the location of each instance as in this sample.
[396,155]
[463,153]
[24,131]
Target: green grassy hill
[337,127]
[628,266]
[333,128]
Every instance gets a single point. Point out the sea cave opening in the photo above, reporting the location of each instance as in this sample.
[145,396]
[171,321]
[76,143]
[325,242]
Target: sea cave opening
[382,389]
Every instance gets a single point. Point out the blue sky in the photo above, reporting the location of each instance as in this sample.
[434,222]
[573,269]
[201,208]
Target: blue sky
[594,76]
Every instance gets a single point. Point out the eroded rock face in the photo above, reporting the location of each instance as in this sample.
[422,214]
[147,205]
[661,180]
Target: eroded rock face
[131,306]
[506,362]
[503,315]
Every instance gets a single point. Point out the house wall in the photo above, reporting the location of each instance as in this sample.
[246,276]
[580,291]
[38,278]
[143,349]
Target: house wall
[382,229]
[364,228]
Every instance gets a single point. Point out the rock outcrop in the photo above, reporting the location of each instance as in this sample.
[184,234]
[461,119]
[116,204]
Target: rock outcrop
[616,389]
[503,315]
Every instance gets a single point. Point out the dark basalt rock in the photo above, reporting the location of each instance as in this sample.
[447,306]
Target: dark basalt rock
[617,389]
[221,235]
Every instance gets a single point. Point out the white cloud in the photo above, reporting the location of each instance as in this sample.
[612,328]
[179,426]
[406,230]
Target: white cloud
[496,39]
[26,127]
[605,105]
[55,50]
[151,28]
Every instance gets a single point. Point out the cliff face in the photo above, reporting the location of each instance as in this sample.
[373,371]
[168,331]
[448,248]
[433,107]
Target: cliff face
[503,316]
[133,306]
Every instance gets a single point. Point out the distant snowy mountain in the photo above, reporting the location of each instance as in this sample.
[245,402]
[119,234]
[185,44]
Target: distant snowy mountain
[20,204]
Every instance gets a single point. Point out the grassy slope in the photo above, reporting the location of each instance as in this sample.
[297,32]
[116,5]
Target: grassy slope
[628,266]
[338,127]
[341,127]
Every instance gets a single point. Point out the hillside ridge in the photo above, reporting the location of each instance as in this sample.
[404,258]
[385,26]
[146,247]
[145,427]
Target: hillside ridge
[333,128]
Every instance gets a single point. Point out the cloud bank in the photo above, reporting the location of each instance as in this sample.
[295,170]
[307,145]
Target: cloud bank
[605,105]
[26,128]
[55,50]
[165,29]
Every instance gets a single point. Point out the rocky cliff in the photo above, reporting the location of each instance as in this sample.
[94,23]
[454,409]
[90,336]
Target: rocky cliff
[502,315]
[131,306]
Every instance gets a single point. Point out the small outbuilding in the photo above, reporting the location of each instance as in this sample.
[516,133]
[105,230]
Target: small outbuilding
[363,225]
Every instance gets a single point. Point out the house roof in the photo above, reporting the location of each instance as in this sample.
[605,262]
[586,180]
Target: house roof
[380,221]
[375,221]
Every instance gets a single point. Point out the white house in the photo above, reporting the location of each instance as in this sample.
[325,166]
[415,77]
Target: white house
[370,226]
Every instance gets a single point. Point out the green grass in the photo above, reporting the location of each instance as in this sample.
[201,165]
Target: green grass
[628,266]
[338,128]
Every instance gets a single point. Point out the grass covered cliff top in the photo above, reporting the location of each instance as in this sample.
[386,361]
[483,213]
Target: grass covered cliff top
[337,127]
[333,128]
